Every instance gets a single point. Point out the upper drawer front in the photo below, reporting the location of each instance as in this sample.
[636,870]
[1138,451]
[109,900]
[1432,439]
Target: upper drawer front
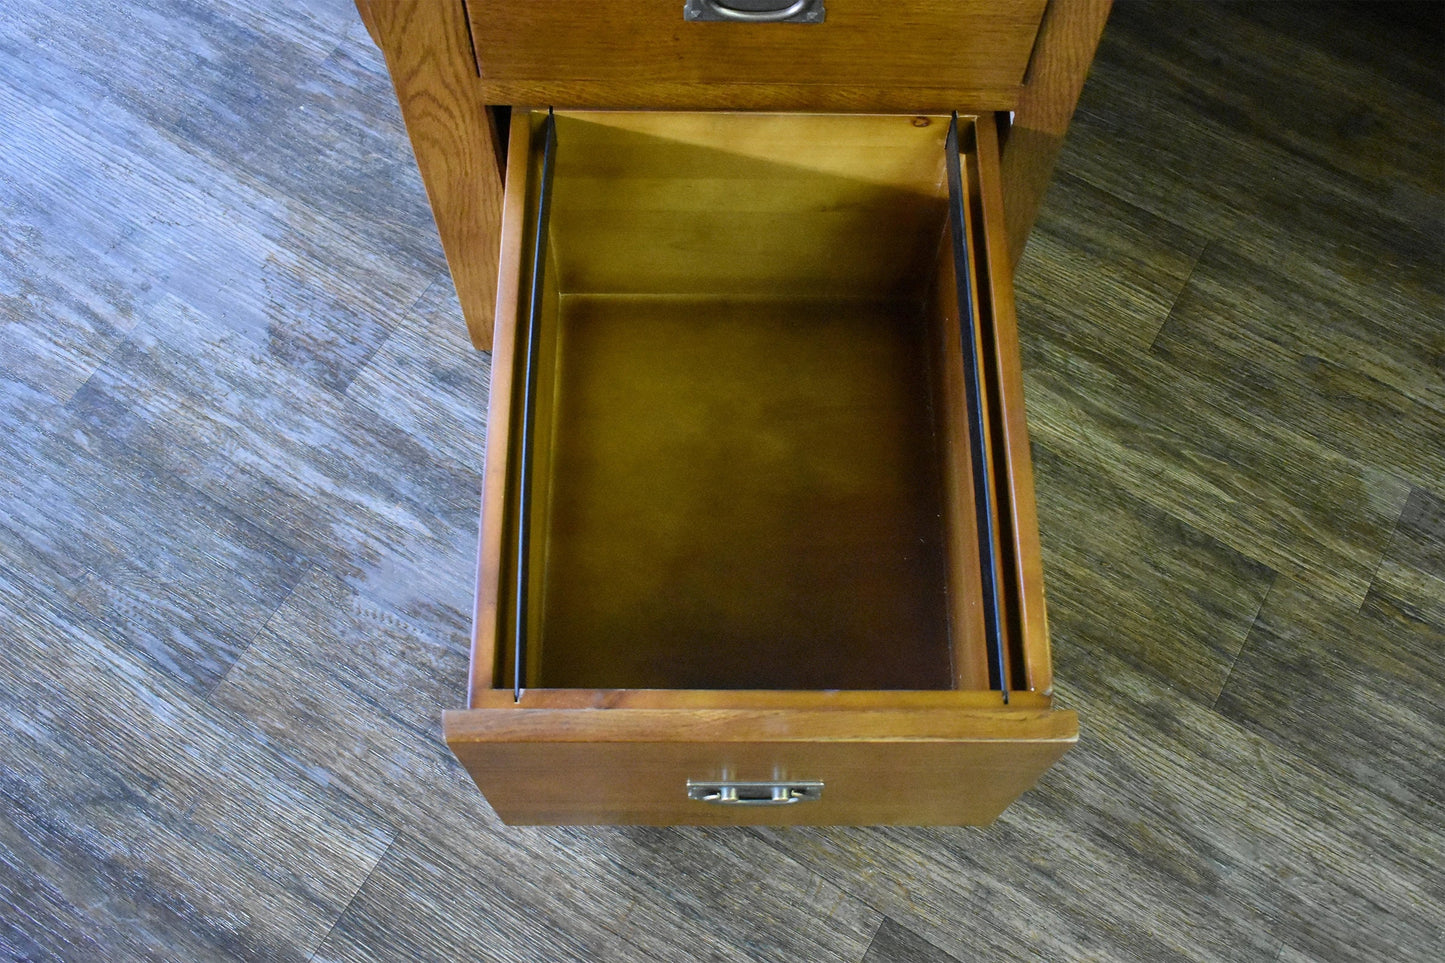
[965,45]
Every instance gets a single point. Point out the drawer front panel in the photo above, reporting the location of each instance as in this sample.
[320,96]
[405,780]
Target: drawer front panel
[632,766]
[963,45]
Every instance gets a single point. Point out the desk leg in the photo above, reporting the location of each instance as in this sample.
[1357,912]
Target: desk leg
[1068,37]
[428,51]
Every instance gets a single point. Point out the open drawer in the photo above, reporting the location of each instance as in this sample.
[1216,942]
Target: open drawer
[758,539]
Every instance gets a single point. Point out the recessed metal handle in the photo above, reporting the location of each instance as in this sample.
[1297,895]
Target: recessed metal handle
[755,793]
[799,11]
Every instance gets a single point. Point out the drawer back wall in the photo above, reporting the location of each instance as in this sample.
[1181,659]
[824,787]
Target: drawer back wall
[763,205]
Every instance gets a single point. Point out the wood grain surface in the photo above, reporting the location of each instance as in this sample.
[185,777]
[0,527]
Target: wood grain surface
[676,95]
[880,765]
[428,49]
[962,45]
[670,551]
[743,205]
[241,464]
[1058,67]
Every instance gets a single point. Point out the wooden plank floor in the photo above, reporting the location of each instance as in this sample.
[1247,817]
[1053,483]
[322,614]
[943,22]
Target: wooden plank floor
[240,466]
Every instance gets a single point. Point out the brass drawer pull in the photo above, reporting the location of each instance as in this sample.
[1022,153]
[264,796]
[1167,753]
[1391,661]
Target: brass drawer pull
[755,793]
[799,11]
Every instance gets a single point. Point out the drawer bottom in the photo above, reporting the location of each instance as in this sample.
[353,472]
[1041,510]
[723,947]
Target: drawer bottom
[746,492]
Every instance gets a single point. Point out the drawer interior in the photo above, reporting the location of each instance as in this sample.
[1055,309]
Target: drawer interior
[746,456]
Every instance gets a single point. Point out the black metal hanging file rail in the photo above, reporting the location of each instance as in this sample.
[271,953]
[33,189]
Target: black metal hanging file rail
[529,391]
[980,456]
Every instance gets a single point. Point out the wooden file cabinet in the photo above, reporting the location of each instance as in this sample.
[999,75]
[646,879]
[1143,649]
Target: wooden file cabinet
[728,457]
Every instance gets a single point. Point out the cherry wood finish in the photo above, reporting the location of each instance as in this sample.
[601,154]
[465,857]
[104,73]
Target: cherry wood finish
[739,493]
[754,699]
[747,205]
[678,95]
[486,614]
[1017,477]
[965,594]
[450,60]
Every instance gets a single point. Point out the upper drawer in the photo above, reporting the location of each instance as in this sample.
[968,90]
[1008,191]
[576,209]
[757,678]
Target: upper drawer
[635,52]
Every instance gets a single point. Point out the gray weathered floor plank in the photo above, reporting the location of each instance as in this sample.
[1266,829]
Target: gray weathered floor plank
[238,506]
[600,900]
[1355,691]
[311,682]
[897,944]
[80,522]
[1106,592]
[1290,353]
[1261,486]
[133,801]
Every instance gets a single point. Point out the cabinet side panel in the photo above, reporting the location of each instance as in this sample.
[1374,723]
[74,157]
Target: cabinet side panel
[1062,53]
[429,54]
[965,598]
[486,614]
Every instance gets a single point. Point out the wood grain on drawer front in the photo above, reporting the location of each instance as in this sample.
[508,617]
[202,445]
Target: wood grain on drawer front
[878,767]
[960,45]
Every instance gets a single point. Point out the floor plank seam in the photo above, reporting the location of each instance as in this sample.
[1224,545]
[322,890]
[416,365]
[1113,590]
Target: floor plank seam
[386,611]
[1078,176]
[203,496]
[381,858]
[120,342]
[1385,552]
[1178,295]
[348,39]
[401,319]
[1224,685]
[256,635]
[883,918]
[767,837]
